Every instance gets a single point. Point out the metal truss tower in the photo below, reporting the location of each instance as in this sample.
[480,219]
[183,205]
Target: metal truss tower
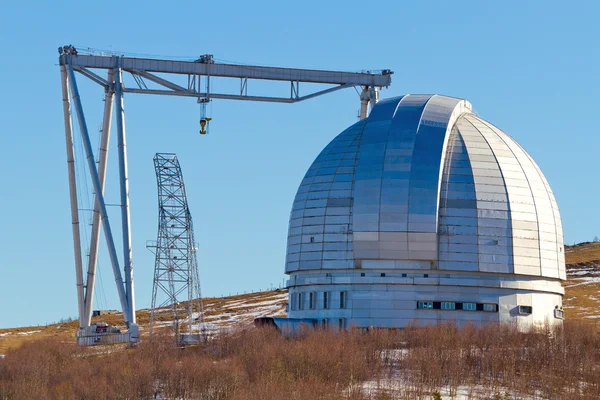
[176,267]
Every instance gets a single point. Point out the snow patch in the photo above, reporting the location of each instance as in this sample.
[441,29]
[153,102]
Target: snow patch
[28,333]
[585,281]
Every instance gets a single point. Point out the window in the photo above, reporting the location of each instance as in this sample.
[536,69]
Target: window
[341,323]
[425,275]
[343,299]
[490,307]
[525,310]
[328,275]
[325,300]
[425,305]
[311,300]
[469,306]
[362,274]
[293,301]
[404,275]
[297,296]
[300,301]
[382,274]
[448,305]
[560,314]
[312,239]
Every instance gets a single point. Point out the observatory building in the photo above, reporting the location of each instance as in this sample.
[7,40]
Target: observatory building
[424,213]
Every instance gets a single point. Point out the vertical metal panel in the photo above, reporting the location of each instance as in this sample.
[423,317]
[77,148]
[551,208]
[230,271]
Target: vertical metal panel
[519,193]
[320,221]
[462,256]
[494,218]
[426,163]
[543,200]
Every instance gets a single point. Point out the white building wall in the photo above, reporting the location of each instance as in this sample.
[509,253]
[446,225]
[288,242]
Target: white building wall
[391,301]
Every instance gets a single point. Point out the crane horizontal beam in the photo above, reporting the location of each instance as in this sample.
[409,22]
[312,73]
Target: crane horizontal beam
[382,79]
[188,93]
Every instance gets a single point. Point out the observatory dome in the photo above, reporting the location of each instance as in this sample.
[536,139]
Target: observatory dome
[423,212]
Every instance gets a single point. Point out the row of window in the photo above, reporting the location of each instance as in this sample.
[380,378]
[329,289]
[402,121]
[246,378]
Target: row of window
[451,305]
[487,307]
[298,300]
[382,274]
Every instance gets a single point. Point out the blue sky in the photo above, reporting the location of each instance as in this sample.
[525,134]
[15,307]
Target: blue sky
[530,68]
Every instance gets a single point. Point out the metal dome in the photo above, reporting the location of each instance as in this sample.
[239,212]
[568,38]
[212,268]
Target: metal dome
[425,193]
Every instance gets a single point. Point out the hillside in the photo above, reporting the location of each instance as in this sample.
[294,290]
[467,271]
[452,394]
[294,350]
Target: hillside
[582,301]
[220,313]
[582,289]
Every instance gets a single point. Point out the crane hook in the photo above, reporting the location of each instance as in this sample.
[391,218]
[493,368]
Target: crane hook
[203,124]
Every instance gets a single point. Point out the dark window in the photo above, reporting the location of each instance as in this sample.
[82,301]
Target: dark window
[312,239]
[362,274]
[425,305]
[300,301]
[325,300]
[488,307]
[525,310]
[311,300]
[343,299]
[341,323]
[382,274]
[404,275]
[425,275]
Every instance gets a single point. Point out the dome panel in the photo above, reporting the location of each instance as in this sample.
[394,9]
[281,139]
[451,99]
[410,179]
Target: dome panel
[425,180]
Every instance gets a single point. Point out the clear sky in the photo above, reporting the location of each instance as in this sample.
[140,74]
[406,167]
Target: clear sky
[529,67]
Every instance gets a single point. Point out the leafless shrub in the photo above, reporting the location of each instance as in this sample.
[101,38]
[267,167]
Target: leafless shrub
[261,364]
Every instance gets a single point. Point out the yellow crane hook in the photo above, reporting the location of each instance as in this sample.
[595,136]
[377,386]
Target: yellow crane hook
[203,124]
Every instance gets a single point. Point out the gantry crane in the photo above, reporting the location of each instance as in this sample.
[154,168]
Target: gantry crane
[143,70]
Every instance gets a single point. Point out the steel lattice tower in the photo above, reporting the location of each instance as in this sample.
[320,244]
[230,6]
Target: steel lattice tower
[176,267]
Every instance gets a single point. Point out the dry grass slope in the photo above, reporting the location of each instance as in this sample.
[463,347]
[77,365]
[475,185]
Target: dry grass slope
[582,289]
[223,312]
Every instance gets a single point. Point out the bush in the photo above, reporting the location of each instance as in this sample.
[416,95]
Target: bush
[494,361]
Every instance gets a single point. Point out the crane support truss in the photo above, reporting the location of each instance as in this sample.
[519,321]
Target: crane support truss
[144,71]
[176,268]
[72,99]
